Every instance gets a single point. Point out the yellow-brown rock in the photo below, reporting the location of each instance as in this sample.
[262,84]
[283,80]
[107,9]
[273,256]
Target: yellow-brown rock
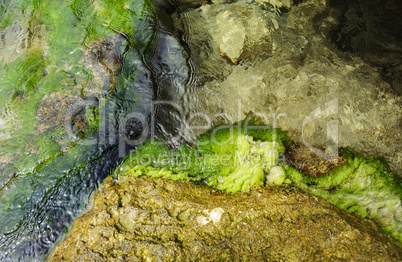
[145,219]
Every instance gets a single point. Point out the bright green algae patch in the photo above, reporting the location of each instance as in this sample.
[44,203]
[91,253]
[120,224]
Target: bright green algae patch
[233,160]
[227,159]
[362,186]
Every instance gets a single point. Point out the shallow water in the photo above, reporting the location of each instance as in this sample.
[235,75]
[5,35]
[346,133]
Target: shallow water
[46,175]
[43,193]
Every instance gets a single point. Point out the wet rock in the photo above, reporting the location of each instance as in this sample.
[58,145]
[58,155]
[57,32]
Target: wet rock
[277,3]
[203,49]
[301,82]
[52,110]
[230,36]
[224,33]
[240,31]
[155,219]
[186,4]
[302,158]
[102,57]
[362,30]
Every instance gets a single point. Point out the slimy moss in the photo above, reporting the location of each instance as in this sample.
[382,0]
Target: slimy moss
[363,186]
[225,158]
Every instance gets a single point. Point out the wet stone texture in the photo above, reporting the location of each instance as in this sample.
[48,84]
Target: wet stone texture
[102,57]
[302,158]
[145,219]
[309,64]
[53,110]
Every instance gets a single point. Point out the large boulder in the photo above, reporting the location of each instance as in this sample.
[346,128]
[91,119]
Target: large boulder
[147,219]
[297,76]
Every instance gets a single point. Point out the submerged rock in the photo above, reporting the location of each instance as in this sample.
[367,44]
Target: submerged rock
[300,79]
[52,110]
[150,219]
[302,158]
[277,3]
[240,31]
[103,57]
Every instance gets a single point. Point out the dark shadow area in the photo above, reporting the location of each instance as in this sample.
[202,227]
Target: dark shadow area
[371,29]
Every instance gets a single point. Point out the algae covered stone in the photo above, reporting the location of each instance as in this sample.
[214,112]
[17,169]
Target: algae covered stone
[363,186]
[226,158]
[51,102]
[236,159]
[51,83]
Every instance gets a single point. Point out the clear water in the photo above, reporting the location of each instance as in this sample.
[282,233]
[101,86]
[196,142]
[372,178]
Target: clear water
[47,175]
[42,193]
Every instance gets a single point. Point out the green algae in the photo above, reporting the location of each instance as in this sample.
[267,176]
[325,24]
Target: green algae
[57,66]
[232,160]
[363,186]
[69,27]
[22,76]
[225,158]
[41,158]
[52,172]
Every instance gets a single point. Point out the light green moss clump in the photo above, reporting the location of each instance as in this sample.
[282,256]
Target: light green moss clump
[362,186]
[228,159]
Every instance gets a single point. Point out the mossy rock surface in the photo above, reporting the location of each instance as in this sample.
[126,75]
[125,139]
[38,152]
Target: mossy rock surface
[235,158]
[153,219]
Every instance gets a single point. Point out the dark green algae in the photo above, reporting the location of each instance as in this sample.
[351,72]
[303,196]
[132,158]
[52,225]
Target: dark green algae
[226,159]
